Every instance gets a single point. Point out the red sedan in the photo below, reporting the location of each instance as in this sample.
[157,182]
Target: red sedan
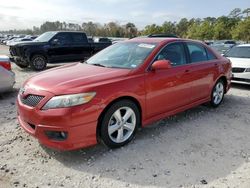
[128,85]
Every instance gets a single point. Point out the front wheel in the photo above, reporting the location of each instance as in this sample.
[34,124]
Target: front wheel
[38,62]
[119,124]
[217,94]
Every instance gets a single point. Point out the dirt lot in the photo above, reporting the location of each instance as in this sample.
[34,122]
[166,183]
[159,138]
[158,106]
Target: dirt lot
[202,147]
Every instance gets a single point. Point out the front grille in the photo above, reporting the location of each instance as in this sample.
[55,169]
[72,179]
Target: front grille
[12,51]
[238,70]
[32,100]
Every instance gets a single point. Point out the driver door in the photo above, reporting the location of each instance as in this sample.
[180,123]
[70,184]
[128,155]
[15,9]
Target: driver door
[60,48]
[169,89]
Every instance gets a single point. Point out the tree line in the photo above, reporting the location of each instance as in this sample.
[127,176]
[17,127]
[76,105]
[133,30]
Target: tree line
[236,25]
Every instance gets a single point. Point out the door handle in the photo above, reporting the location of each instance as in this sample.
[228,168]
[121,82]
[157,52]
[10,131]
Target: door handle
[187,71]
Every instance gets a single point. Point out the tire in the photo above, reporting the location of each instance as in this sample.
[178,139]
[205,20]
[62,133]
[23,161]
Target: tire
[38,62]
[217,94]
[115,131]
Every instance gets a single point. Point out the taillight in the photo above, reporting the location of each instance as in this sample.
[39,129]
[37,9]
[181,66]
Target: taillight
[6,65]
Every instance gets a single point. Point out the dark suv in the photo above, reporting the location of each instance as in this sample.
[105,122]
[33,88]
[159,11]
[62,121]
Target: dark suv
[54,47]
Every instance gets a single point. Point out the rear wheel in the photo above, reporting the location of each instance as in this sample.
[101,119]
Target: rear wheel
[119,124]
[38,62]
[217,94]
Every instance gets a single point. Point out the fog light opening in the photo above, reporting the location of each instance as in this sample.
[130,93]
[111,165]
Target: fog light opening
[57,135]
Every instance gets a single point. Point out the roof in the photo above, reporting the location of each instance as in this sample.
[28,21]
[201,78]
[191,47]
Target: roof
[154,39]
[158,40]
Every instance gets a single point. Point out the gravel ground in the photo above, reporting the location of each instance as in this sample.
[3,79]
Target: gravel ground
[201,147]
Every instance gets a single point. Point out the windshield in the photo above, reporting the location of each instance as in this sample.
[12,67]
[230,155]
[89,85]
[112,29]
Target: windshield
[239,51]
[128,55]
[220,48]
[45,37]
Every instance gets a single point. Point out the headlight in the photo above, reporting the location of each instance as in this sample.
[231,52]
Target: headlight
[64,101]
[247,70]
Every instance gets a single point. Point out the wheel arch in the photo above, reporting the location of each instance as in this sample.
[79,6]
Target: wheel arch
[133,99]
[38,53]
[224,79]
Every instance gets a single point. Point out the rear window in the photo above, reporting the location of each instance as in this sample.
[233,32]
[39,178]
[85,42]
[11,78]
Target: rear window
[199,53]
[210,55]
[78,38]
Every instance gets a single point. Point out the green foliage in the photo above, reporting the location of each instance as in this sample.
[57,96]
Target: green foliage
[201,30]
[182,27]
[152,29]
[242,30]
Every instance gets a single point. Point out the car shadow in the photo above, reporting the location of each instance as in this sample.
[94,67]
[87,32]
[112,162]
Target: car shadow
[9,94]
[241,86]
[181,150]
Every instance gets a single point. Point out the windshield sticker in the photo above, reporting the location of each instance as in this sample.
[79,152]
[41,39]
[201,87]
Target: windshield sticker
[133,65]
[146,46]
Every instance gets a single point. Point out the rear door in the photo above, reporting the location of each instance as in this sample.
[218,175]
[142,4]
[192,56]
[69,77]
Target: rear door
[169,89]
[204,66]
[80,46]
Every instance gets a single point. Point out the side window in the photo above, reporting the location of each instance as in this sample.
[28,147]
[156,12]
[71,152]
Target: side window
[78,38]
[175,53]
[197,52]
[63,38]
[210,55]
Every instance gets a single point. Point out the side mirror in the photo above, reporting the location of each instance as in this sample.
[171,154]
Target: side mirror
[55,42]
[161,65]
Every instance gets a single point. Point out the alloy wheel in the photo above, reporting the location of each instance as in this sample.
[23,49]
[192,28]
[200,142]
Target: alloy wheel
[218,93]
[122,124]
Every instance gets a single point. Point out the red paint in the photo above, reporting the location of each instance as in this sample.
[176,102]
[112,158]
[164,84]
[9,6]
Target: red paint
[5,65]
[160,93]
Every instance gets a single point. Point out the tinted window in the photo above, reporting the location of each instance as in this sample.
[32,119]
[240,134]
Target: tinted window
[239,51]
[175,53]
[230,42]
[197,52]
[63,38]
[210,55]
[78,38]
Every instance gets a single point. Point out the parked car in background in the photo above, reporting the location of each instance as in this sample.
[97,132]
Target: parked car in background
[90,40]
[7,77]
[240,58]
[54,47]
[126,86]
[20,40]
[223,46]
[102,40]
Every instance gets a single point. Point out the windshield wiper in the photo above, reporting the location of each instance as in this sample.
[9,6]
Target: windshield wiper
[98,64]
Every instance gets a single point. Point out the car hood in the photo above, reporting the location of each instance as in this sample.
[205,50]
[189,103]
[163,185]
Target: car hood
[18,42]
[74,78]
[240,62]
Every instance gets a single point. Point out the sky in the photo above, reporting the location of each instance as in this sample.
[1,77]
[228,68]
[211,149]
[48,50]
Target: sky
[23,14]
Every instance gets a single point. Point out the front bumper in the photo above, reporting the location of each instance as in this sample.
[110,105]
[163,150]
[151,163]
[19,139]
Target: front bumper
[19,60]
[241,78]
[79,123]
